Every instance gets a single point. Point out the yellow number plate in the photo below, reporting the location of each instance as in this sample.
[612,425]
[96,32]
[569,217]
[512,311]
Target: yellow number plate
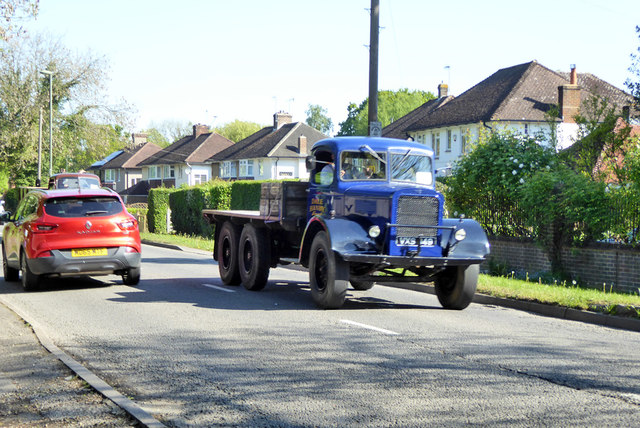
[89,252]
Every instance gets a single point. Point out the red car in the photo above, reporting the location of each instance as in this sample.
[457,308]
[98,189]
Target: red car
[69,233]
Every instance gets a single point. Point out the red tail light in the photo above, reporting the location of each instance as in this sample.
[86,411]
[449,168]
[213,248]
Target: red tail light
[130,250]
[45,254]
[129,224]
[42,227]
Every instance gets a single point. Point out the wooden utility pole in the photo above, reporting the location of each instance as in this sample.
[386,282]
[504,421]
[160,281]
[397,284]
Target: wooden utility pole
[375,130]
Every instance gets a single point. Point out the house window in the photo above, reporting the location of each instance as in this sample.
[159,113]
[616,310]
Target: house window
[526,129]
[463,143]
[109,175]
[229,169]
[169,171]
[200,178]
[154,172]
[449,140]
[436,144]
[246,168]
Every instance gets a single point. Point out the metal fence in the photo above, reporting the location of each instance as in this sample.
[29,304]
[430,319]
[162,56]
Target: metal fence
[502,217]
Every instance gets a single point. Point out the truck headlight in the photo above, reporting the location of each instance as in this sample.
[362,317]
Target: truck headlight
[374,231]
[460,234]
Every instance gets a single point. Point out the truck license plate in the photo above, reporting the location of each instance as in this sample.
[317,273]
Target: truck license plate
[89,252]
[405,241]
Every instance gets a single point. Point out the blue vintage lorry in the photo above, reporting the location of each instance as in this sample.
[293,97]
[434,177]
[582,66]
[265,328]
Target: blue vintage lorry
[368,214]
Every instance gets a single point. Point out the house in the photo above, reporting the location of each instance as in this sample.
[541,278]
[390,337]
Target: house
[121,170]
[274,152]
[185,161]
[518,98]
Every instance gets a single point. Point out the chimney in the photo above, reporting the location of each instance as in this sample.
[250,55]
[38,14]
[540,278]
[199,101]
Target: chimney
[569,98]
[281,118]
[443,90]
[138,140]
[302,145]
[199,129]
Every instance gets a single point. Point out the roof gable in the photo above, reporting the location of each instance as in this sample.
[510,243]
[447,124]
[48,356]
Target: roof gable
[267,143]
[131,158]
[189,149]
[523,92]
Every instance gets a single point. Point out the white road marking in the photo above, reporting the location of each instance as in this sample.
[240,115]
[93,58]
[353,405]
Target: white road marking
[215,287]
[370,327]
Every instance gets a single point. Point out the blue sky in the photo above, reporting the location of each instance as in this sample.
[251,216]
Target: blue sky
[213,61]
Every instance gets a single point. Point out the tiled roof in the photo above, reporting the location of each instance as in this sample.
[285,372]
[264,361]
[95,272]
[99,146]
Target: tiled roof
[132,158]
[267,143]
[398,128]
[524,92]
[190,149]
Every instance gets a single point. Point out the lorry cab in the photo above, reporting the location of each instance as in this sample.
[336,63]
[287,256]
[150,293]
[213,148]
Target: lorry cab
[376,183]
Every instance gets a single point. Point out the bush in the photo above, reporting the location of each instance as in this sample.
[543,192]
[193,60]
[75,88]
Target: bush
[158,206]
[12,199]
[486,182]
[245,194]
[187,204]
[564,207]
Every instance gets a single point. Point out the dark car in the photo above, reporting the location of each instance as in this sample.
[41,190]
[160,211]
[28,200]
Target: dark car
[74,180]
[70,233]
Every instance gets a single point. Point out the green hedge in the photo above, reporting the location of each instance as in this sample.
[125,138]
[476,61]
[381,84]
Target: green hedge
[245,194]
[158,205]
[187,204]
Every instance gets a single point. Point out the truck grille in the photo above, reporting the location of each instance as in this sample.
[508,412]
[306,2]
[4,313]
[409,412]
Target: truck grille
[417,210]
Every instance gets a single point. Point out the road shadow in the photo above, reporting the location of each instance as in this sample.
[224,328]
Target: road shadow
[52,284]
[277,295]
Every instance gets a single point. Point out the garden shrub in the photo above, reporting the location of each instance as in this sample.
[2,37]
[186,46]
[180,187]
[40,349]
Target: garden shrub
[158,206]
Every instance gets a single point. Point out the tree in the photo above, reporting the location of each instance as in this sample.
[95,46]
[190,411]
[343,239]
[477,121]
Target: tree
[156,137]
[12,11]
[317,118]
[79,106]
[170,130]
[634,87]
[392,105]
[238,130]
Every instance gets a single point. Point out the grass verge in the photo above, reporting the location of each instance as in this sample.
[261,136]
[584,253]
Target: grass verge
[180,240]
[566,295]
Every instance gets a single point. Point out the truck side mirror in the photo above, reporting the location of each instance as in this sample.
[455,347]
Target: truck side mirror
[310,163]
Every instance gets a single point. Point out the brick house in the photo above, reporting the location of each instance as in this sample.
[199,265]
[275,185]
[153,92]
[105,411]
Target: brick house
[274,152]
[185,161]
[517,98]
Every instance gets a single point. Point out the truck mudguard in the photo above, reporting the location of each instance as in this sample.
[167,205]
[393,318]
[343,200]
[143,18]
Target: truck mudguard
[474,245]
[346,236]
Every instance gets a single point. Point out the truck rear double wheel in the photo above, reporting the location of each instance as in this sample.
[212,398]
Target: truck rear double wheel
[227,252]
[456,286]
[254,257]
[328,274]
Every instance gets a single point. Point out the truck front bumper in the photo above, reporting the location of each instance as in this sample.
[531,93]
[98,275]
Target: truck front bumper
[402,261]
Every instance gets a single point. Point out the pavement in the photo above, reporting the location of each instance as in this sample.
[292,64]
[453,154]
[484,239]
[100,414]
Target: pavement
[41,386]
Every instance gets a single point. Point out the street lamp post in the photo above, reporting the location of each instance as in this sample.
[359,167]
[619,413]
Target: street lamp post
[50,74]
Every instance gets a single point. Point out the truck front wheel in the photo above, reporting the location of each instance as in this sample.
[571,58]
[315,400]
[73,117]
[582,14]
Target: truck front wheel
[328,274]
[227,248]
[455,286]
[254,257]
